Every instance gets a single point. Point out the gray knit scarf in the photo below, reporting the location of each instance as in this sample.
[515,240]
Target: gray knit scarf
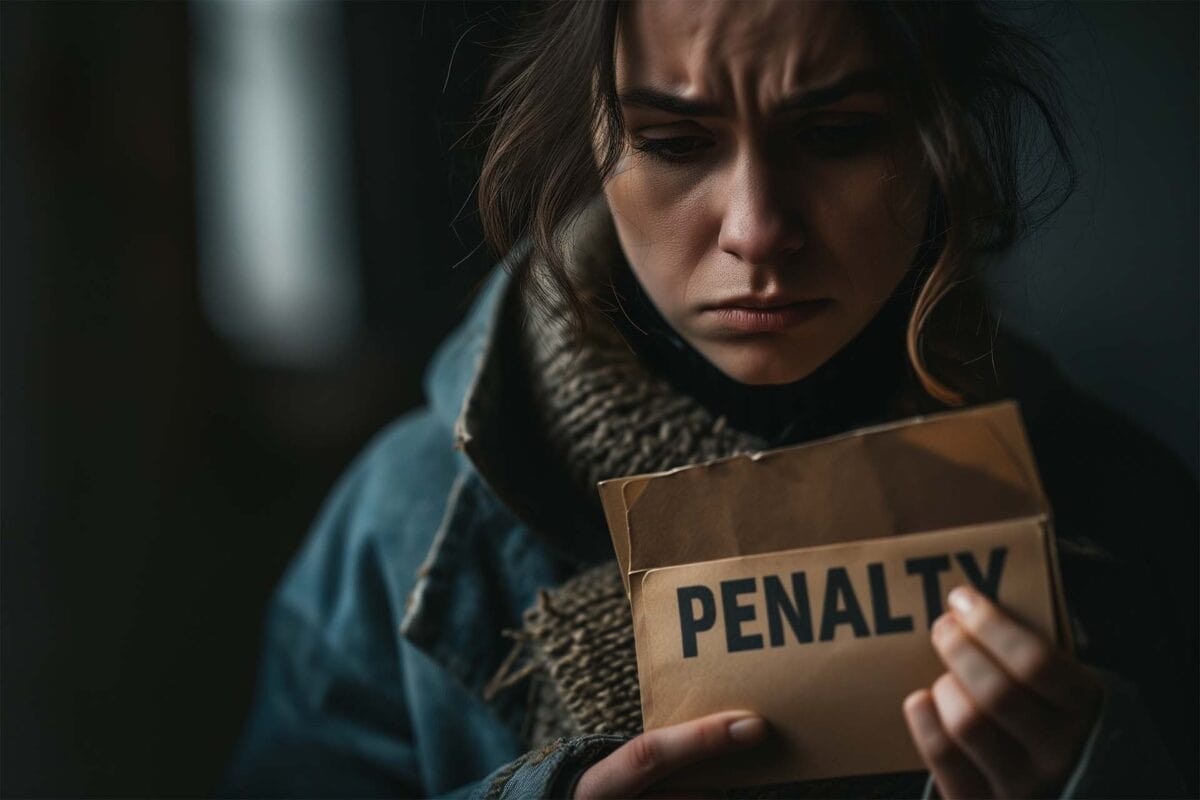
[606,414]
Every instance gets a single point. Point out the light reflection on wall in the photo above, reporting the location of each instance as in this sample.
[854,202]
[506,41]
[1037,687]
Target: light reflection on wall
[277,244]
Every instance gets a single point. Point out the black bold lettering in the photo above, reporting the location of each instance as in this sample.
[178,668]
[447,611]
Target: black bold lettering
[735,615]
[884,621]
[989,584]
[929,568]
[795,608]
[689,623]
[841,606]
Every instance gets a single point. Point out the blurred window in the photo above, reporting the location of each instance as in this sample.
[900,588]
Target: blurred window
[278,251]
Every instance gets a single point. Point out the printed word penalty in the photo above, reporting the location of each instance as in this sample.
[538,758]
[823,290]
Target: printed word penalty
[789,609]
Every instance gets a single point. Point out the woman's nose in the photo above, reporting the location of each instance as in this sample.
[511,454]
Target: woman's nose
[759,226]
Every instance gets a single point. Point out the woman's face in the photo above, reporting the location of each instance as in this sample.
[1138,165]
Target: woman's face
[768,199]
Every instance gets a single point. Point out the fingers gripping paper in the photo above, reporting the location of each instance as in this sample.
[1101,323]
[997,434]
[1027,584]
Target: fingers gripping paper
[801,583]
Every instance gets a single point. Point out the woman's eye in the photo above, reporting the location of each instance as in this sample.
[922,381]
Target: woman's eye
[833,141]
[675,149]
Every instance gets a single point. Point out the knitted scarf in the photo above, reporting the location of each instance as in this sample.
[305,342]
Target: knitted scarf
[626,396]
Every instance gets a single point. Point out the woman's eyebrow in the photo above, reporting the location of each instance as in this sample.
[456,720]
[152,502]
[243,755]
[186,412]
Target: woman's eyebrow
[645,97]
[867,80]
[852,83]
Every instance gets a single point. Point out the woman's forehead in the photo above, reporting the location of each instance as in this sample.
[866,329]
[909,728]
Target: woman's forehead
[720,50]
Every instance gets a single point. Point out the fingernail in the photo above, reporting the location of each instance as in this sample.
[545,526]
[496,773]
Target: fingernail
[962,599]
[920,715]
[747,730]
[941,625]
[913,700]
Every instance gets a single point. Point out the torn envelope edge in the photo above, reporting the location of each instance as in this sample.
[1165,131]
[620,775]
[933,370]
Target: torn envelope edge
[617,495]
[1005,440]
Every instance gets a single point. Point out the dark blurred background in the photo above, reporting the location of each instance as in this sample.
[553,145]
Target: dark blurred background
[232,234]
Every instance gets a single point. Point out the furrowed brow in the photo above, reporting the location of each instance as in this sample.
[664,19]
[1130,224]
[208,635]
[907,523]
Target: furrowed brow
[854,83]
[644,97]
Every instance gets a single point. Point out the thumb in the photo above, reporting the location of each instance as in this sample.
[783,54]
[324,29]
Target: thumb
[649,758]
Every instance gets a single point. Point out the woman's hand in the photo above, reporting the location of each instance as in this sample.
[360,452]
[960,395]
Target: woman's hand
[655,755]
[1010,717]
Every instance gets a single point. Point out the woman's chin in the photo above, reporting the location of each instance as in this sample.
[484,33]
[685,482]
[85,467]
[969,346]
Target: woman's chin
[763,363]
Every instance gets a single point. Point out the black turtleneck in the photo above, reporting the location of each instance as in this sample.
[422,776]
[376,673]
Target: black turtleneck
[855,387]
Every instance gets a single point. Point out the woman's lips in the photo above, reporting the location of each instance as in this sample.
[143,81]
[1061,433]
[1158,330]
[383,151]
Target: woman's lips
[767,318]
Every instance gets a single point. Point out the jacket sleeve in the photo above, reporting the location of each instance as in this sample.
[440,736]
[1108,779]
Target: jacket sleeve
[1124,756]
[1143,658]
[1126,513]
[321,726]
[551,772]
[346,706]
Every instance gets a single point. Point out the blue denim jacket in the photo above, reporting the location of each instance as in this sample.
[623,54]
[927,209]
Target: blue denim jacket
[389,623]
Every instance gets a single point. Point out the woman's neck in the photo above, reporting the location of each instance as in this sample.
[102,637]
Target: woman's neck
[859,385]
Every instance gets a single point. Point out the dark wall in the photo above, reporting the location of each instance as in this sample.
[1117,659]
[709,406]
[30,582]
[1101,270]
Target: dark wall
[1111,286]
[155,481]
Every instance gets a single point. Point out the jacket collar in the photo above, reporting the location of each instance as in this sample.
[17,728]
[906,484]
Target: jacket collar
[465,383]
[478,388]
[453,381]
[484,566]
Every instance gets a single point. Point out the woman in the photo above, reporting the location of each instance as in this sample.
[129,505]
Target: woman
[729,227]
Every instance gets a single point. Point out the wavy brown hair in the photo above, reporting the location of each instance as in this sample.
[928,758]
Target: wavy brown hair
[982,93]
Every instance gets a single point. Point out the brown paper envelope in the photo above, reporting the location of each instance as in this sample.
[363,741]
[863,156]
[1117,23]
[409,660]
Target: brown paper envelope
[929,473]
[616,496]
[834,706]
